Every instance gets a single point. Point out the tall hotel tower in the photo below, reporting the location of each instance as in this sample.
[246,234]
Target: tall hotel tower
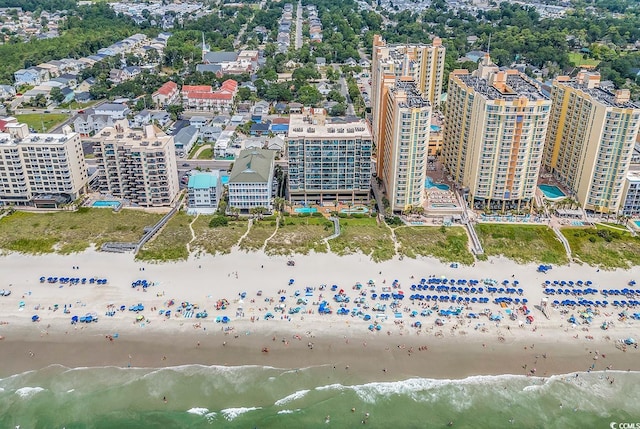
[406,81]
[494,133]
[590,140]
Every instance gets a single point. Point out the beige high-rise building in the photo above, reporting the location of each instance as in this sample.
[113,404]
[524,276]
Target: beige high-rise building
[403,153]
[590,140]
[494,133]
[426,68]
[137,165]
[45,170]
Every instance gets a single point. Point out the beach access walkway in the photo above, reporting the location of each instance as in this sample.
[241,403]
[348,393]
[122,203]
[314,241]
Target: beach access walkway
[563,240]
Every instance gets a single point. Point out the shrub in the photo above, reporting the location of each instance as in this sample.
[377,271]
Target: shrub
[316,214]
[218,221]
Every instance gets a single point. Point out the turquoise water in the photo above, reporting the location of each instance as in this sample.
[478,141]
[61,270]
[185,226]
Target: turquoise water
[435,128]
[429,183]
[265,397]
[112,204]
[637,222]
[224,180]
[551,192]
[359,209]
[442,205]
[305,210]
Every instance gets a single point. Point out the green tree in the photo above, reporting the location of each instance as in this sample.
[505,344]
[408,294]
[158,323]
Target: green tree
[56,95]
[175,110]
[309,95]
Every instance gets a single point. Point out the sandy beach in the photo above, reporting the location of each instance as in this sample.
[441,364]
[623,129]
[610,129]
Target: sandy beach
[458,348]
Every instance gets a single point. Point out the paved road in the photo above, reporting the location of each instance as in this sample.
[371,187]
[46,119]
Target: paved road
[298,43]
[344,90]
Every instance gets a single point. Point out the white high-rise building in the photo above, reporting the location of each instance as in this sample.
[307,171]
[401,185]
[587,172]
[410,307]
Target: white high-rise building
[41,169]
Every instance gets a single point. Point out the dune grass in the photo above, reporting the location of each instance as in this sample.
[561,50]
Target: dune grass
[603,247]
[366,236]
[522,243]
[260,231]
[300,235]
[445,244]
[68,232]
[170,244]
[218,240]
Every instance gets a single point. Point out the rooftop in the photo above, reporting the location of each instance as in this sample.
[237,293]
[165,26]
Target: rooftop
[414,99]
[604,96]
[204,180]
[253,166]
[516,86]
[310,125]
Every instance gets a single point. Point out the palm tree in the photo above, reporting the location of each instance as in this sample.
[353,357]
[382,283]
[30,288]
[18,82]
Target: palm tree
[235,211]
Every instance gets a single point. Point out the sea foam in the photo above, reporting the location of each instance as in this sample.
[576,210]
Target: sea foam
[294,396]
[232,413]
[198,411]
[26,392]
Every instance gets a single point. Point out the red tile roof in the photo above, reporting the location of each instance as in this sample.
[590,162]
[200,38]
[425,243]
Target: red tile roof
[167,88]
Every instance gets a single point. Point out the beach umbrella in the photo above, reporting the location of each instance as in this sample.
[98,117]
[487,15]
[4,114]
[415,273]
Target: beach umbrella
[74,319]
[35,318]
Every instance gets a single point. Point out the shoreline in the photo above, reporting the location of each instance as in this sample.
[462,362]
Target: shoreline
[460,348]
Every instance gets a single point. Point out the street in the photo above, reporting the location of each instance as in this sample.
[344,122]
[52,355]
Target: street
[298,43]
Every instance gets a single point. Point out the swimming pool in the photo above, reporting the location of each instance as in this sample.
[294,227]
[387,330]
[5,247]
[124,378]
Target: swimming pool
[305,210]
[355,210]
[435,128]
[429,183]
[552,192]
[637,223]
[110,204]
[224,180]
[443,206]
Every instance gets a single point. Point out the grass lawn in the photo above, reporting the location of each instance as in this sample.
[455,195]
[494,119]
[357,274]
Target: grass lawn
[300,235]
[217,240]
[36,120]
[260,231]
[577,60]
[603,247]
[522,243]
[69,232]
[170,244]
[366,236]
[206,154]
[450,245]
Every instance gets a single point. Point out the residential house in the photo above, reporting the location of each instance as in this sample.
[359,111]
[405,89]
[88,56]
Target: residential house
[350,62]
[116,111]
[210,132]
[204,191]
[321,62]
[30,76]
[223,144]
[249,85]
[251,182]
[280,126]
[324,88]
[276,144]
[261,108]
[166,95]
[260,128]
[280,108]
[7,91]
[141,119]
[161,118]
[185,139]
[295,108]
[198,121]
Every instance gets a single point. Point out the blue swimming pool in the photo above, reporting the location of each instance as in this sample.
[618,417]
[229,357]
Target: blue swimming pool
[110,204]
[224,180]
[637,222]
[435,128]
[552,192]
[429,183]
[305,210]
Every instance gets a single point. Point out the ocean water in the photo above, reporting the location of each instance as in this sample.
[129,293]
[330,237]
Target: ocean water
[318,397]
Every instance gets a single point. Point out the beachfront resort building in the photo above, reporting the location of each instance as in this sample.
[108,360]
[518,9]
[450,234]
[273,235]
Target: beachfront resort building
[406,83]
[204,190]
[403,153]
[329,159]
[494,134]
[137,166]
[251,182]
[44,170]
[631,194]
[591,140]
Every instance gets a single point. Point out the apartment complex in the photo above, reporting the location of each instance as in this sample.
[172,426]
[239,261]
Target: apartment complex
[251,182]
[402,157]
[494,134]
[406,83]
[138,166]
[329,159]
[590,140]
[203,97]
[40,169]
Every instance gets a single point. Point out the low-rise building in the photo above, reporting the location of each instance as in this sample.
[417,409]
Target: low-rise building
[185,139]
[251,183]
[203,97]
[166,95]
[204,191]
[114,110]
